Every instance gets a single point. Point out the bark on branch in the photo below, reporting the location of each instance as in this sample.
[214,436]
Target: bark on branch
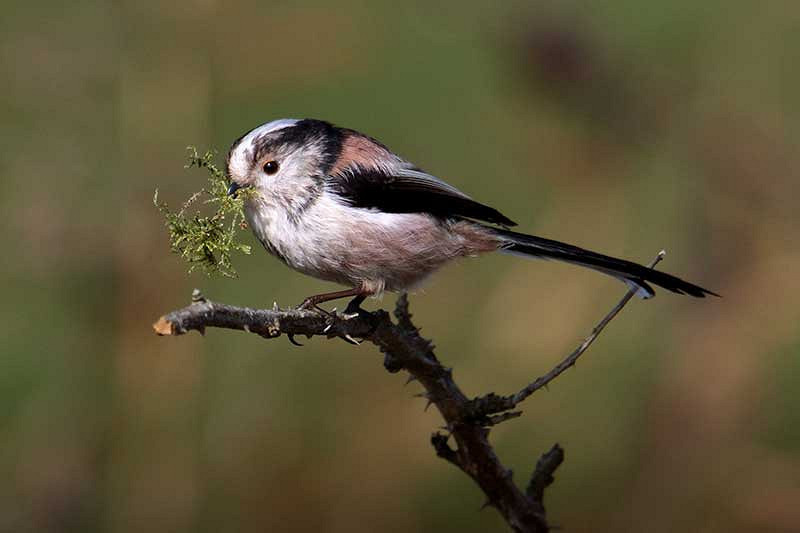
[467,421]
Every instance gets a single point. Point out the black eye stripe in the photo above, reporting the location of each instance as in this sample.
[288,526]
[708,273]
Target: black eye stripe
[305,132]
[271,167]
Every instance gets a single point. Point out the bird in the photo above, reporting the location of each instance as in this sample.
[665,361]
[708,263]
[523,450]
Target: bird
[340,206]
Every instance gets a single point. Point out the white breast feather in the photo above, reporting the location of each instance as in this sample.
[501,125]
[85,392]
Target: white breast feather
[338,243]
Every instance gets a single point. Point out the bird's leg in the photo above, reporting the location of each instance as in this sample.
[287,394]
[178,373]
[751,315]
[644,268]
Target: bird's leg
[312,302]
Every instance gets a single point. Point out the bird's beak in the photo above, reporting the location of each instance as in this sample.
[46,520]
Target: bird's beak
[233,188]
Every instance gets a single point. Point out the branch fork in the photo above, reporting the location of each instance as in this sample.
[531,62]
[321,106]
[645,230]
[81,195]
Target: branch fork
[468,422]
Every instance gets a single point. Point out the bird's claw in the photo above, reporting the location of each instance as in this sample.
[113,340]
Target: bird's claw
[310,305]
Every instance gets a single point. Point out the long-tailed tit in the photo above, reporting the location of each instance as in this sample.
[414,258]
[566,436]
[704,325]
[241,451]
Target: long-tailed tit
[340,206]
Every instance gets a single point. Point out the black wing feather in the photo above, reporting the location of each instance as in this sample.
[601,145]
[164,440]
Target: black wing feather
[409,190]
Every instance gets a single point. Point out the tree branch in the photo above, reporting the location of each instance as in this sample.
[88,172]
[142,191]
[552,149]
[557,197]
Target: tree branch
[404,348]
[467,422]
[487,405]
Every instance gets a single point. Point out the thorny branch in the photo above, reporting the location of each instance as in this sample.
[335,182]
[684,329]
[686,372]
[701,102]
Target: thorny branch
[492,403]
[467,421]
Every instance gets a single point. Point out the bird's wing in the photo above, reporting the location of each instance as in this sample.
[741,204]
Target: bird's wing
[408,190]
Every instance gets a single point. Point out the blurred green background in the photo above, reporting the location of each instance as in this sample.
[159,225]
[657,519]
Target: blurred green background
[621,126]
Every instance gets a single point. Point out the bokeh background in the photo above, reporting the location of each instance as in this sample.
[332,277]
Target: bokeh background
[623,126]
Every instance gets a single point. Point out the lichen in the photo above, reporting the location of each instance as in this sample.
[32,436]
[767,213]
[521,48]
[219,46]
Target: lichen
[206,242]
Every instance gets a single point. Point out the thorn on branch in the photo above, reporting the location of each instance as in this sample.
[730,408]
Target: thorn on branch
[350,340]
[428,397]
[443,449]
[543,474]
[291,339]
[497,419]
[480,408]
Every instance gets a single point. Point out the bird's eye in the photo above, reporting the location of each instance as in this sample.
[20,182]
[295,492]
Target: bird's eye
[271,167]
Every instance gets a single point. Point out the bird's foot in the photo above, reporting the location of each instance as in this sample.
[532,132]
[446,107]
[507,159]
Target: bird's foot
[310,304]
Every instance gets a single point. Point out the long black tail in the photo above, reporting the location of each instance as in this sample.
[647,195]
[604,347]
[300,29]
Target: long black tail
[633,274]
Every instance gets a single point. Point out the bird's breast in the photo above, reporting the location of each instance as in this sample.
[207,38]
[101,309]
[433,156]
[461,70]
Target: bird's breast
[348,245]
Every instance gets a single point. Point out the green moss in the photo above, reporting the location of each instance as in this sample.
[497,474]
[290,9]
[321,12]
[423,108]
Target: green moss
[207,242]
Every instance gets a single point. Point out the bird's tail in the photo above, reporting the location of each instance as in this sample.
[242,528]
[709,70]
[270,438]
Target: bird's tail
[634,275]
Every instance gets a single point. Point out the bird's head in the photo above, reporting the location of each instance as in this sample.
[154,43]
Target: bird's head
[285,161]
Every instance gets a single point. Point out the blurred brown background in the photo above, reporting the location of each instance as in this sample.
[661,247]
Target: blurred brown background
[624,127]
